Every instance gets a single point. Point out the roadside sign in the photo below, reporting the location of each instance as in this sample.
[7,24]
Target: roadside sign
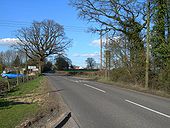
[31,67]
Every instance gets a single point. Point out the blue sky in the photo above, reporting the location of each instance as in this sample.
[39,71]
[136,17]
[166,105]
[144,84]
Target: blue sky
[19,13]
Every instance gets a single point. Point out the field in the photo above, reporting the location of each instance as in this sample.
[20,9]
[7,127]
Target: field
[14,109]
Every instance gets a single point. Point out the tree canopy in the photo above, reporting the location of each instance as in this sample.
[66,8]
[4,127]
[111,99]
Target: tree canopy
[42,39]
[62,62]
[116,15]
[17,62]
[91,63]
[125,23]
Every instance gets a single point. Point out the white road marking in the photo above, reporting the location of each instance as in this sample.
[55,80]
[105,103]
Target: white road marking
[165,115]
[95,88]
[72,80]
[75,81]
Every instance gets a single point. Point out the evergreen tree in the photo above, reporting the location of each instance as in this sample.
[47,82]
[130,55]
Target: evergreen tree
[17,62]
[1,69]
[161,41]
[62,63]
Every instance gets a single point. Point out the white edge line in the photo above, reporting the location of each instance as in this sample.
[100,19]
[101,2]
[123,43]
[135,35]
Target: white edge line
[148,108]
[95,88]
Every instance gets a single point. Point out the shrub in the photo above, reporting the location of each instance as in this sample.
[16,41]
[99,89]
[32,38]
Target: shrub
[121,74]
[1,69]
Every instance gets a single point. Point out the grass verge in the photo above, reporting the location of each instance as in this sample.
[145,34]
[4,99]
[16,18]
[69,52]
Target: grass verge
[138,88]
[26,88]
[14,108]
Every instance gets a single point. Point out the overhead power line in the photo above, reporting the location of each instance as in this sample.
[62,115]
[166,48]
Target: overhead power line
[16,24]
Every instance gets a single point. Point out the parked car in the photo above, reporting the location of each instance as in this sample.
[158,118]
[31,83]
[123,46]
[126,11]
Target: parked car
[11,75]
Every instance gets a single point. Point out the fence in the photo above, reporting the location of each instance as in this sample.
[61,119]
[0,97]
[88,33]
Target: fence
[9,84]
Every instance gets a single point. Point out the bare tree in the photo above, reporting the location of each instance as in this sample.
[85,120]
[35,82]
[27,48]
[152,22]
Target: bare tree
[91,63]
[116,17]
[7,57]
[1,58]
[41,40]
[119,52]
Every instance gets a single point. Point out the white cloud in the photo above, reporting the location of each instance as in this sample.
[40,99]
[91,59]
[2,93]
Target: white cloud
[8,41]
[96,42]
[87,55]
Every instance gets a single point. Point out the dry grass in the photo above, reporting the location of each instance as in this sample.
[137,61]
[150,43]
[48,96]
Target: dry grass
[136,87]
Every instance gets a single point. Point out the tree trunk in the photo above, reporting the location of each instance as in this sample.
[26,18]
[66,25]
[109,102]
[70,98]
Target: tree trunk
[40,68]
[168,20]
[41,65]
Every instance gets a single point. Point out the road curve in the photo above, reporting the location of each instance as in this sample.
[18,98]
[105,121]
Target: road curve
[96,105]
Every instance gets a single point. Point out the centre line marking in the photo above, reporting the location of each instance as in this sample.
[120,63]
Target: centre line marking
[148,108]
[95,88]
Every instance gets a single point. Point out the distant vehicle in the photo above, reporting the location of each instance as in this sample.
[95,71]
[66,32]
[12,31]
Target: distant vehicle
[11,75]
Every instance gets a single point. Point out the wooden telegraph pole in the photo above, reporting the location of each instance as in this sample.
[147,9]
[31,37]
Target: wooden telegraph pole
[101,46]
[147,45]
[107,56]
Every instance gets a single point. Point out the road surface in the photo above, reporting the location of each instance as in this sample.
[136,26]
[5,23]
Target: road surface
[96,105]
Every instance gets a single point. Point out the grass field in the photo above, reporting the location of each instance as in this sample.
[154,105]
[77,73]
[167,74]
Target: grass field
[13,112]
[26,88]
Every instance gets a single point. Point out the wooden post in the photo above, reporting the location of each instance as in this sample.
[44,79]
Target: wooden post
[107,56]
[17,77]
[101,46]
[147,45]
[9,88]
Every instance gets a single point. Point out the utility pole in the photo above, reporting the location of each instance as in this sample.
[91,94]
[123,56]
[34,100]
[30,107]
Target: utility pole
[147,45]
[26,63]
[101,46]
[107,56]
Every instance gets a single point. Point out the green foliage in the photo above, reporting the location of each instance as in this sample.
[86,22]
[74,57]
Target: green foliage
[1,69]
[47,66]
[91,63]
[132,76]
[161,47]
[163,51]
[17,62]
[128,54]
[121,74]
[12,112]
[62,63]
[26,87]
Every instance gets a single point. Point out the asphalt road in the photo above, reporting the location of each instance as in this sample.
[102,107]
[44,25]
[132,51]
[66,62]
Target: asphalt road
[96,105]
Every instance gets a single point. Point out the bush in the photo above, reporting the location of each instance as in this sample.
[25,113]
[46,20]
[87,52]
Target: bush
[1,69]
[121,74]
[3,85]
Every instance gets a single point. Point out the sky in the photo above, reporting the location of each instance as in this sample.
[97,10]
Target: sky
[21,13]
